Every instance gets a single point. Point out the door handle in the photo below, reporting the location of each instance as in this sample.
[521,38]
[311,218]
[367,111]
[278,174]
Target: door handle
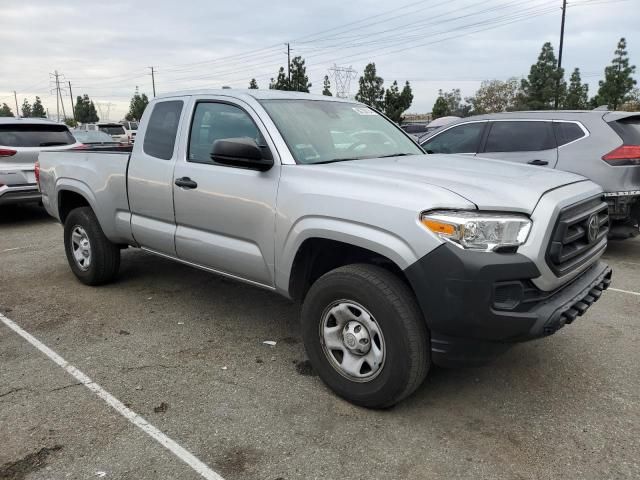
[186,182]
[542,163]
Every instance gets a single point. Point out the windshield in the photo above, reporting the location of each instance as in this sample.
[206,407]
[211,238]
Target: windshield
[92,136]
[324,131]
[112,129]
[35,135]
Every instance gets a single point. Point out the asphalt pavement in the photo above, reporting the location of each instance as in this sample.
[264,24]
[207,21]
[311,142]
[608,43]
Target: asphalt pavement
[183,349]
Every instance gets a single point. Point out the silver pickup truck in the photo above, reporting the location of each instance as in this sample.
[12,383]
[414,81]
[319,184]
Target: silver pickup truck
[399,259]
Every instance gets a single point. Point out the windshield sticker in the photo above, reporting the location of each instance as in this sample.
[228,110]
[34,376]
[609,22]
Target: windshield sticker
[364,111]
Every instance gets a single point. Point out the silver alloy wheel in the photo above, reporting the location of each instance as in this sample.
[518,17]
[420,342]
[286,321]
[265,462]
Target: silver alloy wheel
[352,341]
[81,248]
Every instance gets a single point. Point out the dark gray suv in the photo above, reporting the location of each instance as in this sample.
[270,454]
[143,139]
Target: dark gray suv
[600,145]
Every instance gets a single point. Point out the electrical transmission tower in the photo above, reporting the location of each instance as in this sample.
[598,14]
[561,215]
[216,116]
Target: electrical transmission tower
[104,107]
[55,80]
[342,77]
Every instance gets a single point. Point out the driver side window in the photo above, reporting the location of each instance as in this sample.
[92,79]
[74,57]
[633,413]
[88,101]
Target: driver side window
[218,121]
[460,139]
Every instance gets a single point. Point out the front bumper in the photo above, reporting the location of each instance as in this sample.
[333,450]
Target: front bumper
[478,304]
[14,194]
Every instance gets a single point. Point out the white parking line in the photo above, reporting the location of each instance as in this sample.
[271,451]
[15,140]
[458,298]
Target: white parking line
[12,249]
[117,405]
[625,291]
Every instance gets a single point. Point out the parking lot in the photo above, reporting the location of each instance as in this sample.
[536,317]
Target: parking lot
[184,349]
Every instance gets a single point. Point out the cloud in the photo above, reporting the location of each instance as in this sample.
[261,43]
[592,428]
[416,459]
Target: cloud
[104,48]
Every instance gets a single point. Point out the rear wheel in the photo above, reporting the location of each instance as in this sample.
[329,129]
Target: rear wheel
[365,335]
[91,256]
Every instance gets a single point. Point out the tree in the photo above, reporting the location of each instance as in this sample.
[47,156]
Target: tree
[26,109]
[370,91]
[37,110]
[5,111]
[397,102]
[440,107]
[618,82]
[281,83]
[253,85]
[494,96]
[577,97]
[70,122]
[326,90]
[299,80]
[137,106]
[545,80]
[85,110]
[632,104]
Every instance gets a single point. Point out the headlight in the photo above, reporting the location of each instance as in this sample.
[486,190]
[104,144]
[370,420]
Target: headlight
[486,232]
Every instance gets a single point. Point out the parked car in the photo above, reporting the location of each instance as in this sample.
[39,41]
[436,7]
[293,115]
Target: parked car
[116,130]
[95,138]
[21,139]
[415,129]
[130,128]
[399,259]
[601,145]
[439,123]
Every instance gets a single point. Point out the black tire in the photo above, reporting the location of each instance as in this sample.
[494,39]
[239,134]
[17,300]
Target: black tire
[406,338]
[105,256]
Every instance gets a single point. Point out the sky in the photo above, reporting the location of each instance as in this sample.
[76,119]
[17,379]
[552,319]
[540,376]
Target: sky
[105,48]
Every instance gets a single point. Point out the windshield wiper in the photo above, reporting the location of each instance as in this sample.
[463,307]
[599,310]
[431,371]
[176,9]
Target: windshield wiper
[397,155]
[52,144]
[335,160]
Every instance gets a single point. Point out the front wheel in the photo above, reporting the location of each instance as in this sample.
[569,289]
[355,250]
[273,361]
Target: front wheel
[365,336]
[91,256]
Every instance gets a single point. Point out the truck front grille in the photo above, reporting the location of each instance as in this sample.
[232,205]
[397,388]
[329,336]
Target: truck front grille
[579,234]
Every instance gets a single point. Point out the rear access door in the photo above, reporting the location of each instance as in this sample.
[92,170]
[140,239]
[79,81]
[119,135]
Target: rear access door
[150,177]
[525,141]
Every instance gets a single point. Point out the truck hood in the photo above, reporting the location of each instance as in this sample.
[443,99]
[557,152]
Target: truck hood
[489,184]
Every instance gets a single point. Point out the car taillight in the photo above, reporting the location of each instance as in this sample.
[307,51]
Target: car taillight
[623,155]
[7,152]
[37,171]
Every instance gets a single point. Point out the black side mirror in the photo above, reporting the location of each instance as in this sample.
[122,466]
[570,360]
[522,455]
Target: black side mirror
[242,152]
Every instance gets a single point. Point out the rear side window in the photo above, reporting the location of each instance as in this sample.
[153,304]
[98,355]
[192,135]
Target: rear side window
[160,137]
[461,139]
[567,132]
[112,129]
[628,129]
[520,137]
[35,135]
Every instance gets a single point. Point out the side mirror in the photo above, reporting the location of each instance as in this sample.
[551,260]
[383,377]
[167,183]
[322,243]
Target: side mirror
[241,152]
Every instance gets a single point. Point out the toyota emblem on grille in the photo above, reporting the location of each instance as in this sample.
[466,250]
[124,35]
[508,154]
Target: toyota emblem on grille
[593,228]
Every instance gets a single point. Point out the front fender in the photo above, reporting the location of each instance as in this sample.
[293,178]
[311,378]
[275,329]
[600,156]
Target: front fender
[370,237]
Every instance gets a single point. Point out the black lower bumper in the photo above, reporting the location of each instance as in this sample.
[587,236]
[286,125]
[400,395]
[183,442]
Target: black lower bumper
[478,304]
[10,196]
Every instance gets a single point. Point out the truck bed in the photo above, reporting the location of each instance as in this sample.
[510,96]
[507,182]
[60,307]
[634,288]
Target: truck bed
[99,175]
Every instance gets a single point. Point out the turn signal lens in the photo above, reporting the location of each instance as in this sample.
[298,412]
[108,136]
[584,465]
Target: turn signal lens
[439,227]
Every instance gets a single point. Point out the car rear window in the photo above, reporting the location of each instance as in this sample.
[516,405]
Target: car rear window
[628,129]
[567,132]
[112,129]
[35,135]
[520,136]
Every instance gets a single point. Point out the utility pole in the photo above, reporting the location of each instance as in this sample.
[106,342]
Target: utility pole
[289,62]
[15,95]
[153,80]
[57,102]
[73,110]
[564,12]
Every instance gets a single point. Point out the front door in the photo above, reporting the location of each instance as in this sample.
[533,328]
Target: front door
[225,216]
